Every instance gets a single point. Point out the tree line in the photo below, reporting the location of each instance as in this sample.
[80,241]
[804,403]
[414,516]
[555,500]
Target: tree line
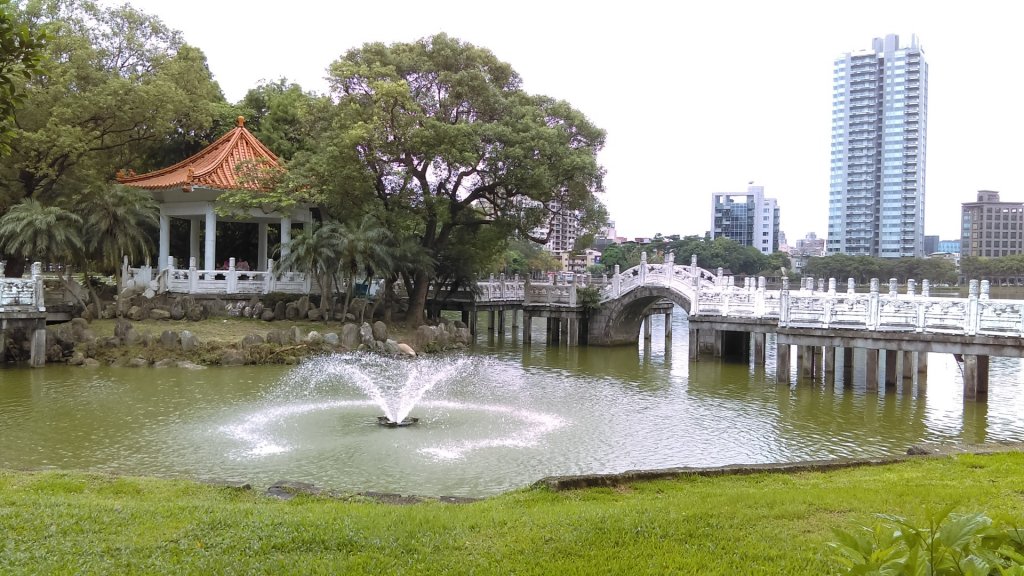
[425,163]
[863,268]
[720,252]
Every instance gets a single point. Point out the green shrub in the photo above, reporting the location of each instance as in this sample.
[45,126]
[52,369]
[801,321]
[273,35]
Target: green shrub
[589,297]
[953,544]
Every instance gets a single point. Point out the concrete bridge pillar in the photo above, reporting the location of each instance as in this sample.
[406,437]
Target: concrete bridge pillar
[890,369]
[922,362]
[908,370]
[527,328]
[648,330]
[668,325]
[847,367]
[515,319]
[871,369]
[572,326]
[781,363]
[37,356]
[554,329]
[501,320]
[975,376]
[759,344]
[692,344]
[828,353]
[806,358]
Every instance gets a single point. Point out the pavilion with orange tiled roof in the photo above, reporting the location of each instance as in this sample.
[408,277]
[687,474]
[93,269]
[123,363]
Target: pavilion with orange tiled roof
[190,188]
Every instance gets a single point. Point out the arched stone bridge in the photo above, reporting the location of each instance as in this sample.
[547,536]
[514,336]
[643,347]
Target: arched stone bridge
[625,300]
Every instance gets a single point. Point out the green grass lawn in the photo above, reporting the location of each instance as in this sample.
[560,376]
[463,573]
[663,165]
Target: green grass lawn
[69,523]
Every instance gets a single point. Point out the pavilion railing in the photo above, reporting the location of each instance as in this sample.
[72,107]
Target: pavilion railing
[193,280]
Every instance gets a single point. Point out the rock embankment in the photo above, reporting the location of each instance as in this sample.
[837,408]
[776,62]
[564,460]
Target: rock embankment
[76,343]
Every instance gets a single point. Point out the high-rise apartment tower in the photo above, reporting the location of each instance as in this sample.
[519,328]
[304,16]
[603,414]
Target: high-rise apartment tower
[879,134]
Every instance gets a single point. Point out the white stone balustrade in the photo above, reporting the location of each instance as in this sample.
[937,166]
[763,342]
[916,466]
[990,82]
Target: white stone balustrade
[193,280]
[23,294]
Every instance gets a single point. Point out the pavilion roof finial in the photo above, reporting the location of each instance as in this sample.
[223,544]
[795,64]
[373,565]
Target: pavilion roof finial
[241,121]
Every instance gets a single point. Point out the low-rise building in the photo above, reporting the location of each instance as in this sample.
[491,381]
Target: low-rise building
[991,227]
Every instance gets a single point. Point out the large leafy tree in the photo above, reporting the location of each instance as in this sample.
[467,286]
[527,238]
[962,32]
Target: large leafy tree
[438,136]
[21,55]
[284,117]
[121,90]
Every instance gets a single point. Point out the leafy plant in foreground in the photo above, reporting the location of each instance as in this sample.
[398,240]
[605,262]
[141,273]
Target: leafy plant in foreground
[954,544]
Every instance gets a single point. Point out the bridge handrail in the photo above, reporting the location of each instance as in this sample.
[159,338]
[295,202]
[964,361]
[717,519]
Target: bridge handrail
[893,312]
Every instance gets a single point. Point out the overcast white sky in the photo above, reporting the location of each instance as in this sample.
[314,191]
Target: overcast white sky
[696,97]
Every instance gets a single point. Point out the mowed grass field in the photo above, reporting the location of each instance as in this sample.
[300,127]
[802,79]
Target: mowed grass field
[766,523]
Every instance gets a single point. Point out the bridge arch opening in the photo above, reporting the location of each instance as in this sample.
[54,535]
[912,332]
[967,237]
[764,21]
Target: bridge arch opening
[618,322]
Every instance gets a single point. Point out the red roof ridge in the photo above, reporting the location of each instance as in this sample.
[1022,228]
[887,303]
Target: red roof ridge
[211,167]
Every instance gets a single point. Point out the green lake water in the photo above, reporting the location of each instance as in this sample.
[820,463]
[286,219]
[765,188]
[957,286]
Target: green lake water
[496,418]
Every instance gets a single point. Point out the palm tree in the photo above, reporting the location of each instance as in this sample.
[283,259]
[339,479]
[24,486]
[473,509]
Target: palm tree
[49,233]
[115,225]
[364,249]
[314,250]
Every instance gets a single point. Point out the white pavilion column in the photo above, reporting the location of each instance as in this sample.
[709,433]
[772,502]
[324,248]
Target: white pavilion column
[286,235]
[165,240]
[193,238]
[209,258]
[261,254]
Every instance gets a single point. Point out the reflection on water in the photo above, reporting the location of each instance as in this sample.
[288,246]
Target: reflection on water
[511,417]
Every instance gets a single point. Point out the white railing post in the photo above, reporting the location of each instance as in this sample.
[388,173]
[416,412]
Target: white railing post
[616,283]
[871,322]
[38,300]
[759,305]
[643,268]
[851,286]
[270,280]
[922,307]
[231,276]
[193,275]
[669,268]
[125,273]
[694,272]
[971,319]
[784,303]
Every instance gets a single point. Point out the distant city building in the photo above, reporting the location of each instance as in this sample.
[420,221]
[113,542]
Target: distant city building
[931,244]
[608,231]
[949,246]
[579,263]
[563,229]
[879,129]
[808,247]
[746,217]
[990,227]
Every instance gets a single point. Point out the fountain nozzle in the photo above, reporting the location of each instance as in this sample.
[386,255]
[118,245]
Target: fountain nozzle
[407,421]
